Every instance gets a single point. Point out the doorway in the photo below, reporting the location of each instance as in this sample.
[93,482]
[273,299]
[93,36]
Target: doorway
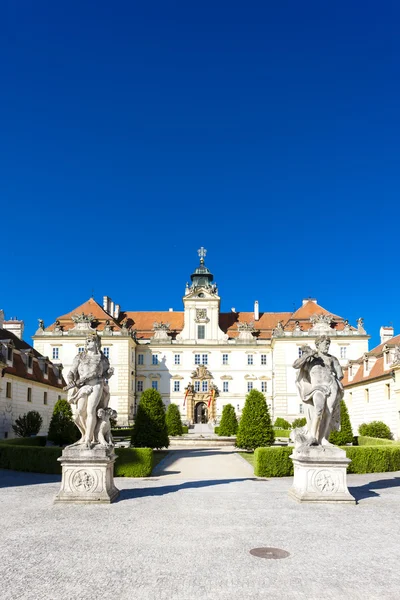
[200,413]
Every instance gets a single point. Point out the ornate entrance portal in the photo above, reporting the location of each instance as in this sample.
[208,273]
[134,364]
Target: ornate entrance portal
[201,396]
[200,413]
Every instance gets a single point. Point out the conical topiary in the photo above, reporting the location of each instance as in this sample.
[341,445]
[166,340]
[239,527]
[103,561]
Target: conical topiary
[173,419]
[345,435]
[62,429]
[150,428]
[229,424]
[255,427]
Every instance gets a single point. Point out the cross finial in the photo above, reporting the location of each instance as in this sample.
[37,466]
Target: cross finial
[202,253]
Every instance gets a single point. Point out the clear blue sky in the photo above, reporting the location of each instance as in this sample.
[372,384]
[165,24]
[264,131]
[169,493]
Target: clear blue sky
[134,132]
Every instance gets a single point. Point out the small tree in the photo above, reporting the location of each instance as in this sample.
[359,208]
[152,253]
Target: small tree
[62,429]
[28,424]
[281,423]
[345,435]
[229,424]
[150,428]
[255,427]
[173,419]
[376,429]
[300,422]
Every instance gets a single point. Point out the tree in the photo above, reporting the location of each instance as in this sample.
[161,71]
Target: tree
[281,423]
[28,424]
[62,429]
[229,424]
[300,422]
[173,419]
[345,435]
[376,429]
[150,428]
[255,427]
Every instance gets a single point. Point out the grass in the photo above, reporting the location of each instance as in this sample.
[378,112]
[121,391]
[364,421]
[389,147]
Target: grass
[158,456]
[249,456]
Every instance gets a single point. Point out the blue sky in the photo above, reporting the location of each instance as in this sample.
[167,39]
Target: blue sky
[133,133]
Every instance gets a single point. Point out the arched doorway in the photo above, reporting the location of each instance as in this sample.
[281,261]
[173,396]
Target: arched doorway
[200,413]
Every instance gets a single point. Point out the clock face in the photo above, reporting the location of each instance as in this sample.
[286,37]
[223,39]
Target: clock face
[201,295]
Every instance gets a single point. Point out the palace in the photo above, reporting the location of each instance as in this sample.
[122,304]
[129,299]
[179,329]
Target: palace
[200,358]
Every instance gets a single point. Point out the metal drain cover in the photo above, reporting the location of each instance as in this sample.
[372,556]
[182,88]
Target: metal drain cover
[274,553]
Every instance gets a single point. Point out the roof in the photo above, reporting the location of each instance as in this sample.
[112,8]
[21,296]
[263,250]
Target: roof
[377,370]
[142,321]
[19,367]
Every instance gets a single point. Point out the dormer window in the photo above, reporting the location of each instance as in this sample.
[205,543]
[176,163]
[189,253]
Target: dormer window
[351,371]
[388,359]
[366,365]
[46,369]
[9,353]
[30,361]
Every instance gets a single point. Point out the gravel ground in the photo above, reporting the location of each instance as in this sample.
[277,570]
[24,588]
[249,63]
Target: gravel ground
[177,537]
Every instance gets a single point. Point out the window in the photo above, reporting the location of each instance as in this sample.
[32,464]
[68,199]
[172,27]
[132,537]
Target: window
[177,386]
[30,361]
[249,359]
[46,368]
[351,371]
[300,352]
[225,358]
[201,332]
[204,359]
[197,359]
[8,390]
[9,353]
[55,353]
[387,389]
[249,386]
[225,386]
[44,397]
[264,386]
[366,395]
[29,394]
[140,386]
[343,352]
[177,359]
[366,365]
[204,386]
[140,359]
[154,385]
[59,397]
[133,356]
[263,359]
[197,386]
[80,349]
[154,361]
[301,409]
[106,352]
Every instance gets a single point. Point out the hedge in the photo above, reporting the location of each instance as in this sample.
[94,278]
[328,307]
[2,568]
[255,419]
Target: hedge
[363,440]
[127,432]
[39,440]
[131,462]
[281,432]
[185,429]
[275,462]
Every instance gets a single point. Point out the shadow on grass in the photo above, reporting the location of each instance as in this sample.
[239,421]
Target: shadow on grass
[367,490]
[134,493]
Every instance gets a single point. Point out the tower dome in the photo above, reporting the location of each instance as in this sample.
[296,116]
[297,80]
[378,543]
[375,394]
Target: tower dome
[202,276]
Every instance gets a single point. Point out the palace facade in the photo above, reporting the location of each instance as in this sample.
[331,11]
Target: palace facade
[200,358]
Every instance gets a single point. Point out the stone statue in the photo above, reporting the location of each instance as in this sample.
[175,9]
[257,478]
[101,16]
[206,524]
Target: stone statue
[319,384]
[103,426]
[88,390]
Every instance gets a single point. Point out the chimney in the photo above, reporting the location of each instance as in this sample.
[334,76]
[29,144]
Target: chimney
[106,301]
[386,334]
[256,311]
[170,310]
[233,309]
[305,300]
[111,308]
[15,326]
[1,318]
[116,311]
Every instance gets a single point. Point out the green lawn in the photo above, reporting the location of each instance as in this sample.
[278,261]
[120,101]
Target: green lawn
[249,456]
[158,455]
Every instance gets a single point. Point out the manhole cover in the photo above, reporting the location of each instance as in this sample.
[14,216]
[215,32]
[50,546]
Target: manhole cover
[269,553]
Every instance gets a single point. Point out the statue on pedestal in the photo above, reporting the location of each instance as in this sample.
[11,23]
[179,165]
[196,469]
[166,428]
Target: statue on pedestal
[319,383]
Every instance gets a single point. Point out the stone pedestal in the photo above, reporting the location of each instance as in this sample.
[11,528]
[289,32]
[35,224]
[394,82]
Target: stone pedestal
[320,474]
[87,475]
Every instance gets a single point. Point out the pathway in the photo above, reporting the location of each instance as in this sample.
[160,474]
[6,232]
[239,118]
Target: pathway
[204,464]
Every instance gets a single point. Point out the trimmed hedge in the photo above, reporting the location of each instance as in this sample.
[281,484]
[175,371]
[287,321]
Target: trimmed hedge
[185,429]
[281,432]
[39,440]
[281,423]
[216,430]
[127,432]
[131,462]
[275,462]
[364,440]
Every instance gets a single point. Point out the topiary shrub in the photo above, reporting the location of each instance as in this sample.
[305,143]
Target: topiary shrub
[173,420]
[150,429]
[62,429]
[281,423]
[345,435]
[255,427]
[300,422]
[185,429]
[216,430]
[28,424]
[228,425]
[133,462]
[273,462]
[376,429]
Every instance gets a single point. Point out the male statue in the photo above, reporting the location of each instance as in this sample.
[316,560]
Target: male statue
[88,389]
[319,383]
